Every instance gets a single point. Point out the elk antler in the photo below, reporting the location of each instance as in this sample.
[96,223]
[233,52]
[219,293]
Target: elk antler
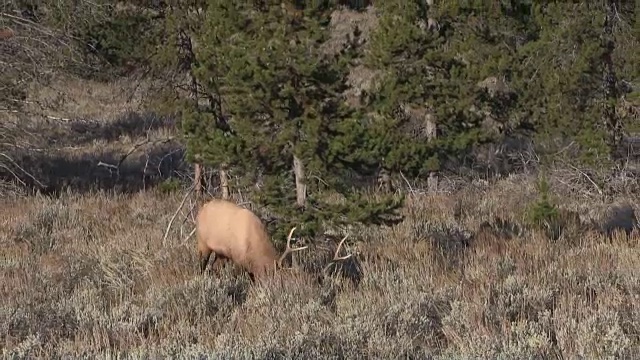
[289,249]
[335,255]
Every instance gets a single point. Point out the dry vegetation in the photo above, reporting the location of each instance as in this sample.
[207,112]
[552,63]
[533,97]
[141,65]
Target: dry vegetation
[89,275]
[91,136]
[86,273]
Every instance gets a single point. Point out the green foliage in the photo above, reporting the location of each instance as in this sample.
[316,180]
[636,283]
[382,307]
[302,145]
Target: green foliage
[194,44]
[282,94]
[253,87]
[277,71]
[563,79]
[543,210]
[123,38]
[169,186]
[402,51]
[284,99]
[435,70]
[543,213]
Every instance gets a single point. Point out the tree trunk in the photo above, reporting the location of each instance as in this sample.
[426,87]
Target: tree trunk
[609,83]
[432,181]
[224,183]
[384,180]
[432,24]
[301,187]
[197,181]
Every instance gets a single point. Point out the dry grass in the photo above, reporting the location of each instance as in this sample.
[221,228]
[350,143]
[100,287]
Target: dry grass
[68,97]
[88,275]
[54,155]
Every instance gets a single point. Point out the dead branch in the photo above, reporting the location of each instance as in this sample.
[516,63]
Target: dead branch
[408,184]
[188,236]
[21,169]
[15,176]
[184,199]
[141,144]
[588,179]
[133,149]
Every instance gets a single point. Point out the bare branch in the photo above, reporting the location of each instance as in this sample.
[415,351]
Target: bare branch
[184,199]
[189,236]
[23,170]
[133,149]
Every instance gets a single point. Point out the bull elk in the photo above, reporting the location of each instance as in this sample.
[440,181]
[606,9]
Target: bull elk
[229,231]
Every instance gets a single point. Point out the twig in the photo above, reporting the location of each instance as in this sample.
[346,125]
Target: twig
[192,206]
[184,199]
[188,236]
[110,167]
[57,118]
[2,166]
[23,170]
[588,178]
[133,149]
[144,173]
[584,192]
[165,157]
[408,184]
[185,220]
[141,144]
[319,179]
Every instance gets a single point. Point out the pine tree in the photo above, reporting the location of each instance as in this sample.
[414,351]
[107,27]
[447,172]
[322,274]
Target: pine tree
[285,100]
[190,59]
[397,50]
[431,59]
[562,80]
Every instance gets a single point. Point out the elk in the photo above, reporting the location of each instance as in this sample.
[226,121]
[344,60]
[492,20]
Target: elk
[229,231]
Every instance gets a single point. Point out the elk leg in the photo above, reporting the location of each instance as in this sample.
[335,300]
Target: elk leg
[204,259]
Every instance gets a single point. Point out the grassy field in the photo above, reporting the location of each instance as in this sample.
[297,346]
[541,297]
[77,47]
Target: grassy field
[88,274]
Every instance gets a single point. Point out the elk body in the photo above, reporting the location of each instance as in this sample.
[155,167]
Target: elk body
[228,231]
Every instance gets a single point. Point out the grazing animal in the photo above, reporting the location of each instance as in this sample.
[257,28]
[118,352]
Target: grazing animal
[229,231]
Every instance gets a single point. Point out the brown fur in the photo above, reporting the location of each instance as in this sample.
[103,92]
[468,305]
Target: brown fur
[229,231]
